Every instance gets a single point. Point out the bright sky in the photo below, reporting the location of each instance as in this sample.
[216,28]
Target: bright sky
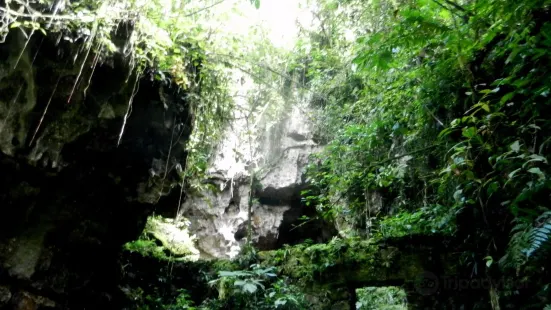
[279,16]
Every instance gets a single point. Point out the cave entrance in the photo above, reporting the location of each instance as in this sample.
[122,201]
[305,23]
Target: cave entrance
[384,297]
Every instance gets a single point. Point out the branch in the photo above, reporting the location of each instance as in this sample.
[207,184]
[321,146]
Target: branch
[203,9]
[456,6]
[46,16]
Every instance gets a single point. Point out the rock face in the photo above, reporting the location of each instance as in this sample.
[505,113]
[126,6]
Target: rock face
[70,193]
[220,217]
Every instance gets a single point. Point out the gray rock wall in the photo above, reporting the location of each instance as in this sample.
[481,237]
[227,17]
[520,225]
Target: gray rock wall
[280,154]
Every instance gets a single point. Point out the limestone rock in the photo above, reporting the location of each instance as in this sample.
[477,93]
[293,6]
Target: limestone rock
[219,216]
[5,295]
[73,190]
[27,301]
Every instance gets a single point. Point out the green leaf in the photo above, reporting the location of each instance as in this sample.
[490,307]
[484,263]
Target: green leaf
[458,194]
[512,174]
[538,172]
[232,273]
[469,132]
[250,288]
[280,302]
[506,98]
[515,147]
[445,132]
[493,187]
[489,261]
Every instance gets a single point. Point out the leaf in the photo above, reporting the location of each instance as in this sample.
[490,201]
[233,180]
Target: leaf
[469,132]
[489,261]
[458,194]
[232,273]
[512,174]
[537,171]
[493,187]
[15,24]
[445,132]
[280,302]
[507,97]
[515,147]
[533,158]
[250,288]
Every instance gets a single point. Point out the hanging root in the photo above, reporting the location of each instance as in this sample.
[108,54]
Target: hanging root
[45,111]
[37,50]
[180,200]
[94,64]
[79,73]
[23,49]
[58,4]
[181,191]
[135,90]
[91,40]
[167,159]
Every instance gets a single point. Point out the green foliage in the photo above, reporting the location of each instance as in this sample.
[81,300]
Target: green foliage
[381,298]
[151,302]
[254,288]
[243,281]
[165,239]
[148,247]
[310,263]
[440,109]
[375,112]
[425,221]
[256,3]
[182,302]
[528,240]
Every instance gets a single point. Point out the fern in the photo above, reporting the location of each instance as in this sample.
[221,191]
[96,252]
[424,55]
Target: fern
[528,239]
[519,242]
[540,235]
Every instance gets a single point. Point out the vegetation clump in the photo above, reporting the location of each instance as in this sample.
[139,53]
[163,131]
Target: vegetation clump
[434,117]
[381,298]
[328,262]
[165,239]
